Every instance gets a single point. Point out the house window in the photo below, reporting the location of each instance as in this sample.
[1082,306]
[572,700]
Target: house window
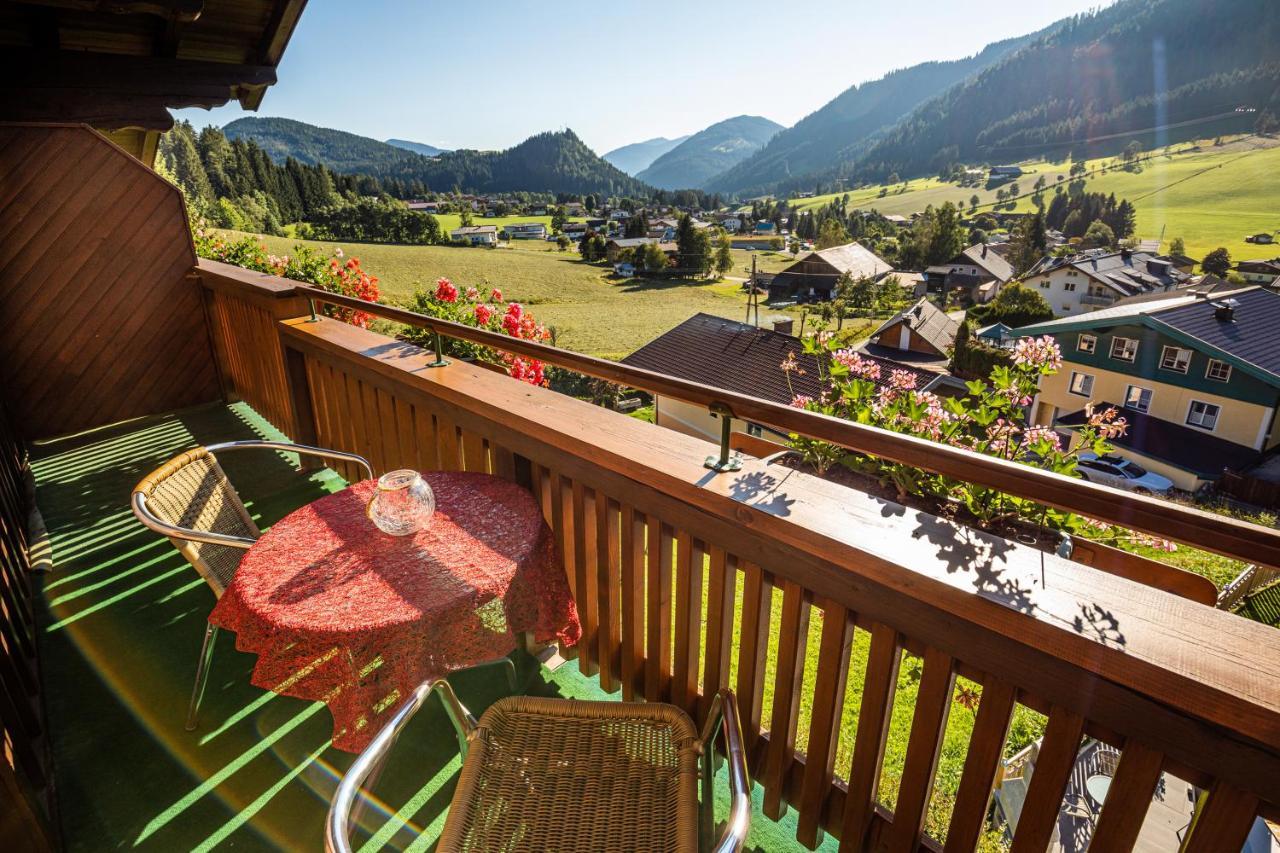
[1175,358]
[1071,285]
[1124,349]
[1044,284]
[1087,343]
[755,429]
[1081,384]
[1203,415]
[1218,370]
[1137,398]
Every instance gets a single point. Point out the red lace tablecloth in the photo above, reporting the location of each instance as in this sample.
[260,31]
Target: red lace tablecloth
[340,612]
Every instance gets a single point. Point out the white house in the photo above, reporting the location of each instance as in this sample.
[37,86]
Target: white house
[1098,278]
[527,231]
[732,224]
[476,235]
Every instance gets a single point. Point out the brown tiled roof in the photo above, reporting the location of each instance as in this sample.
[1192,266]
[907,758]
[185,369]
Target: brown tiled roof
[926,320]
[741,358]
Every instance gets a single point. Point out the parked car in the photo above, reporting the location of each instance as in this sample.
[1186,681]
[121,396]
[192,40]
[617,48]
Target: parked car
[1118,472]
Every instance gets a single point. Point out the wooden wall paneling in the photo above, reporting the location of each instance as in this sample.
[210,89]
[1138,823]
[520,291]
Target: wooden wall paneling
[102,321]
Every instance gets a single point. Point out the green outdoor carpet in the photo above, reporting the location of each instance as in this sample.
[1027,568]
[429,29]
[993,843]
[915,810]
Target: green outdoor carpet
[121,620]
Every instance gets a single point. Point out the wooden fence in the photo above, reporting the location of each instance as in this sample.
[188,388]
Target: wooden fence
[687,581]
[25,783]
[1263,493]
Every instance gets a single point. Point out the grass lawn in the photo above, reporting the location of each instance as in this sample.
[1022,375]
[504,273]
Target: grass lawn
[1211,197]
[590,312]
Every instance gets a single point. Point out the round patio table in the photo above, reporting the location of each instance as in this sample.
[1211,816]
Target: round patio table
[339,612]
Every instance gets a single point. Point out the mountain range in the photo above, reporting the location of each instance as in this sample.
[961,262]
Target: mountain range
[637,156]
[1084,86]
[417,147]
[557,162]
[709,152]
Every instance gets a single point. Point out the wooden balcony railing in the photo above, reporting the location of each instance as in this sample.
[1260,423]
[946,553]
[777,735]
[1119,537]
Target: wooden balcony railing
[687,580]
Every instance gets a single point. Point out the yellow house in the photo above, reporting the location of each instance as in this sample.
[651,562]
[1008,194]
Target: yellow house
[1196,378]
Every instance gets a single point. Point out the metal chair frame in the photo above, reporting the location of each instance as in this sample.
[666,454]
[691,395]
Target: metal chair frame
[176,533]
[721,716]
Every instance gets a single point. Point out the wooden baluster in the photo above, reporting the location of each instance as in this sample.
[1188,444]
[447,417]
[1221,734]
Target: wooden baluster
[928,724]
[824,728]
[1224,821]
[474,455]
[424,430]
[607,583]
[632,603]
[323,414]
[873,727]
[1128,799]
[353,417]
[373,427]
[1048,782]
[986,747]
[757,608]
[722,589]
[503,461]
[562,526]
[793,635]
[447,437]
[388,430]
[584,554]
[404,434]
[688,654]
[657,667]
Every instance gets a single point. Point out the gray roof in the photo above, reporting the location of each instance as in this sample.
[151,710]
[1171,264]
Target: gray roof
[982,256]
[1252,335]
[926,320]
[855,259]
[1126,272]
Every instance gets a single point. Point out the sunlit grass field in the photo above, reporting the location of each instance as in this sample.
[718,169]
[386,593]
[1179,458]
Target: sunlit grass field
[590,312]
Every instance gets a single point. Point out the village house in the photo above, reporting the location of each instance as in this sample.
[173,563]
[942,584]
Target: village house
[1098,278]
[814,276]
[573,208]
[913,284]
[731,223]
[1259,272]
[765,229]
[526,231]
[1196,377]
[978,273]
[424,206]
[476,235]
[1006,171]
[574,230]
[741,358]
[920,333]
[615,247]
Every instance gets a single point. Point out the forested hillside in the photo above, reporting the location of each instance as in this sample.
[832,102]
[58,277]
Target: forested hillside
[813,144]
[1155,71]
[556,162]
[709,152]
[417,147]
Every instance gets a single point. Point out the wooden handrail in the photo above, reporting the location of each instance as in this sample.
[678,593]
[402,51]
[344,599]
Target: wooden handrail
[1212,532]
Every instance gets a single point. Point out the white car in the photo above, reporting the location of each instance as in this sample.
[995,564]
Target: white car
[1121,473]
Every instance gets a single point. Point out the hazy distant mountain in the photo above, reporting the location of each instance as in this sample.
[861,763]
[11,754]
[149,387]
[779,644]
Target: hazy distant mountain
[417,147]
[709,152]
[849,119]
[637,156]
[547,162]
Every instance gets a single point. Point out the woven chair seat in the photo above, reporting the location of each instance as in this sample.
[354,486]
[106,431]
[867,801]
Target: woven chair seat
[558,775]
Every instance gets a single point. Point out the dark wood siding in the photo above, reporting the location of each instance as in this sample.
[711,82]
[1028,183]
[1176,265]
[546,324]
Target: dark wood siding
[101,319]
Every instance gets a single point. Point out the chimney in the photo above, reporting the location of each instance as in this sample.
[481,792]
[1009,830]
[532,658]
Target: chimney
[1126,253]
[1225,310]
[783,325]
[984,249]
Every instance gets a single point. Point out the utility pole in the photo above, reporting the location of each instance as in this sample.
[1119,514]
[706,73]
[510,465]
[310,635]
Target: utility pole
[755,295]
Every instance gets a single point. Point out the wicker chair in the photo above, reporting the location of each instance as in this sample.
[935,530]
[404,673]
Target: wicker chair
[543,774]
[190,500]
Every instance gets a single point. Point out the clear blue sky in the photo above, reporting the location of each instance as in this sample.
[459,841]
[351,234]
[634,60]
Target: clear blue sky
[490,74]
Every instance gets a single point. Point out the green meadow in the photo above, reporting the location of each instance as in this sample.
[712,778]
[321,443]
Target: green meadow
[590,311]
[1208,195]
